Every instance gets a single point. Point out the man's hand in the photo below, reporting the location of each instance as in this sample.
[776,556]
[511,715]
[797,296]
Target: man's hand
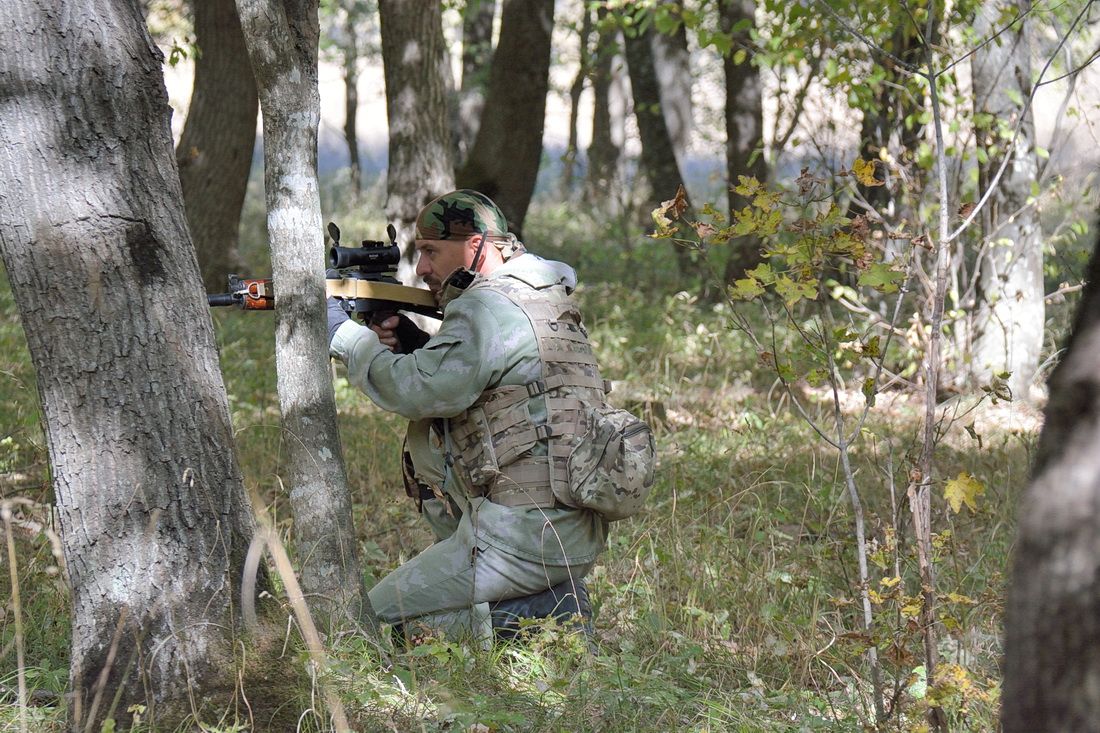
[399,333]
[386,328]
[336,318]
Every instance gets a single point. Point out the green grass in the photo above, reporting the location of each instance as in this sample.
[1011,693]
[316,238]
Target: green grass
[730,605]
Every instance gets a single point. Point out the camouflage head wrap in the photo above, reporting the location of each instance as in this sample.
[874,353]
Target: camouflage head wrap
[458,214]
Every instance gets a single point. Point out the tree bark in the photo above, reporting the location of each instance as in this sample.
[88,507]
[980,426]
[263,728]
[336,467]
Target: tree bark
[569,161]
[672,67]
[1008,324]
[282,38]
[351,98]
[886,127]
[504,162]
[154,520]
[603,153]
[215,149]
[658,162]
[415,61]
[477,54]
[1052,624]
[744,131]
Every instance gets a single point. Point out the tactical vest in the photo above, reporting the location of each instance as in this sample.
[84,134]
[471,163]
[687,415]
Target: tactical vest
[513,444]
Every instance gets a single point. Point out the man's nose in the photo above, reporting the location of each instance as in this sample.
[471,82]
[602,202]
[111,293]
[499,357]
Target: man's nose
[421,266]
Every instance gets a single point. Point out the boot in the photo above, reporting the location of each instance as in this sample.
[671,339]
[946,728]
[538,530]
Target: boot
[559,602]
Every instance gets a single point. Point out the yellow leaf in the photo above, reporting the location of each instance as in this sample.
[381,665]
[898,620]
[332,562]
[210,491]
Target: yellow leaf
[911,609]
[865,172]
[961,599]
[965,489]
[890,582]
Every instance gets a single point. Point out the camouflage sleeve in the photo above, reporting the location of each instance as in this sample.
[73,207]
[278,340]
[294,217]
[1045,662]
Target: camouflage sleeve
[442,378]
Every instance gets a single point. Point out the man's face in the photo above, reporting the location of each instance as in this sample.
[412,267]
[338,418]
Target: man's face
[440,257]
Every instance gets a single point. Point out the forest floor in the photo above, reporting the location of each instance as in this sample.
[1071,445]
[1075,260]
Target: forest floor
[730,604]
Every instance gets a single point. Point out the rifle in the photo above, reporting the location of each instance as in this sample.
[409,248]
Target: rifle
[365,282]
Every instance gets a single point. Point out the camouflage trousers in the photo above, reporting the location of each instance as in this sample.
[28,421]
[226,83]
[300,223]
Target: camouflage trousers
[448,587]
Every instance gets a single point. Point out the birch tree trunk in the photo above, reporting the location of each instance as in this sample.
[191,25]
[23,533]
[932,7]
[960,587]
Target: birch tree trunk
[215,148]
[154,520]
[1008,325]
[282,37]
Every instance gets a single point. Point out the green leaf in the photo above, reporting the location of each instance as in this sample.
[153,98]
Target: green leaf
[869,391]
[747,186]
[918,683]
[763,272]
[746,289]
[792,291]
[882,277]
[817,377]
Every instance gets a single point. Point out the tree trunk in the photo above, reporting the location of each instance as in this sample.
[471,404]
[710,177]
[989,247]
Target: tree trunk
[351,99]
[154,520]
[1052,624]
[219,135]
[744,131]
[415,60]
[891,132]
[569,161]
[282,39]
[886,127]
[658,162]
[504,162]
[603,153]
[477,53]
[1008,325]
[672,66]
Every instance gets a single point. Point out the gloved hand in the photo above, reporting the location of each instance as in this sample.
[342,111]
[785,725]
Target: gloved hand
[409,334]
[398,333]
[336,318]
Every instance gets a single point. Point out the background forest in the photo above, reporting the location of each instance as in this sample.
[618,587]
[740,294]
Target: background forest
[831,251]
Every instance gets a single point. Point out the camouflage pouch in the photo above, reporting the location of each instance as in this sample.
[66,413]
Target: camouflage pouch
[477,458]
[611,468]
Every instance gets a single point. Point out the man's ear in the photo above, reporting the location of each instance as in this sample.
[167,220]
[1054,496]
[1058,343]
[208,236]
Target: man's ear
[473,241]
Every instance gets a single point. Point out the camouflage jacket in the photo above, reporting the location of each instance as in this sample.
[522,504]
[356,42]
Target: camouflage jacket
[485,341]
